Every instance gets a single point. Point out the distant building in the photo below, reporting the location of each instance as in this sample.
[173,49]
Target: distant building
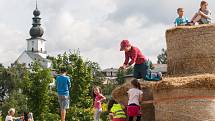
[35,45]
[110,75]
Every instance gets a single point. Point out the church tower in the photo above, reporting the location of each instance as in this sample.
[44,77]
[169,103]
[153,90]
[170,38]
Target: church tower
[35,45]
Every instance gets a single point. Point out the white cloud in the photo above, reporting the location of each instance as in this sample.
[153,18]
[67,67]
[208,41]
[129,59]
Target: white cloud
[96,27]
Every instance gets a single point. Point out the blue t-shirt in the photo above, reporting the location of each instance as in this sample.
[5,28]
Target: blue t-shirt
[63,85]
[181,21]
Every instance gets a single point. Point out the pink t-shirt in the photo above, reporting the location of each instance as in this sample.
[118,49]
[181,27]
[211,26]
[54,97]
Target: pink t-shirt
[97,103]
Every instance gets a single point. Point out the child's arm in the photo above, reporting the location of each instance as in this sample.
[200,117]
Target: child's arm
[141,98]
[103,98]
[204,15]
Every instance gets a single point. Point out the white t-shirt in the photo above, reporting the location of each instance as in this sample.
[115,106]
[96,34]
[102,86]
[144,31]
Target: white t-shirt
[134,95]
[9,118]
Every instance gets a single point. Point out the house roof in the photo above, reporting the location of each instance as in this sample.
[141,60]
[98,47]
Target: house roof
[37,57]
[110,70]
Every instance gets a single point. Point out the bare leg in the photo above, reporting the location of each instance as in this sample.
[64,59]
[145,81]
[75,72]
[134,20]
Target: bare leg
[196,14]
[63,115]
[197,18]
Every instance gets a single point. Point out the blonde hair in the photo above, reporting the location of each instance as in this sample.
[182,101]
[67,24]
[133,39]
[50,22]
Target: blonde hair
[11,110]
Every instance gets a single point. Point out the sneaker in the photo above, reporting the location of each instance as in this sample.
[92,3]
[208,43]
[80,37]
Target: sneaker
[160,75]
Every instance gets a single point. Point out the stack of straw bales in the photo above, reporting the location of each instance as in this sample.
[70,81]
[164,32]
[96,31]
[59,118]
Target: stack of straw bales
[188,92]
[189,98]
[191,49]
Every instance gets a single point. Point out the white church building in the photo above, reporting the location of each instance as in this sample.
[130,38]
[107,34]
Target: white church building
[35,45]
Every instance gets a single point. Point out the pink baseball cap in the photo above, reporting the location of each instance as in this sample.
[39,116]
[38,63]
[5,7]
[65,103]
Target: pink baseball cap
[124,43]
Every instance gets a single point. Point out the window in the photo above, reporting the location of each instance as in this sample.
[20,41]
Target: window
[32,49]
[41,49]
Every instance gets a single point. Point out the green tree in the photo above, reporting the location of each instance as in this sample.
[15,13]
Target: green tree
[36,87]
[10,82]
[122,73]
[162,58]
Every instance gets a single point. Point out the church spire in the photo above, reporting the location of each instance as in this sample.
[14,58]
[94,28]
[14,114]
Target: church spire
[36,30]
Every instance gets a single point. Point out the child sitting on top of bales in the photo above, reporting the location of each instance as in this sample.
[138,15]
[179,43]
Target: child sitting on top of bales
[181,20]
[203,15]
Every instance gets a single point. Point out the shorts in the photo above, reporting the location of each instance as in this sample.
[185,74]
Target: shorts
[64,102]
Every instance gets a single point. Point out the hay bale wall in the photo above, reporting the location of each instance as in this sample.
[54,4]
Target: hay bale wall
[191,49]
[193,109]
[165,93]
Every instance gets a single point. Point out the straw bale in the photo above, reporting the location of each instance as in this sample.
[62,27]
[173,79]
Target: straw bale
[191,49]
[170,87]
[191,109]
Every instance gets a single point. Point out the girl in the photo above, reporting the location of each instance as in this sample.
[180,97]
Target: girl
[134,98]
[116,111]
[203,15]
[98,98]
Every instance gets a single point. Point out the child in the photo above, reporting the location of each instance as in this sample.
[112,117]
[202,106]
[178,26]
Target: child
[116,111]
[137,58]
[135,96]
[98,98]
[63,85]
[203,15]
[181,20]
[10,115]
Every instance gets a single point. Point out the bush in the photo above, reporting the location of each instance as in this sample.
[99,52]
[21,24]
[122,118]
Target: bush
[79,114]
[52,117]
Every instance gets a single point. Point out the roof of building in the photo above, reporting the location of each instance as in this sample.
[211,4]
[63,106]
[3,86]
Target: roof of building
[110,70]
[36,56]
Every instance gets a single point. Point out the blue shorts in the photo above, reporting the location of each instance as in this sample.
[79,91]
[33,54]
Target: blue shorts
[64,102]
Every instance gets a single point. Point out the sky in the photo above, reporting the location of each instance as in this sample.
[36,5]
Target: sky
[95,27]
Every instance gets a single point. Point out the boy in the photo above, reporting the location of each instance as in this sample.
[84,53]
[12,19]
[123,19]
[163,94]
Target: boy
[203,15]
[181,20]
[63,86]
[138,59]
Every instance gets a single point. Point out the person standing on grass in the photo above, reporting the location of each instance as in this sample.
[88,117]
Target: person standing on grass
[10,116]
[98,98]
[63,86]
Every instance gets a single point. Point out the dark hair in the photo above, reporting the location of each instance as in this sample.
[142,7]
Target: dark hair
[179,9]
[110,104]
[94,95]
[202,3]
[136,83]
[63,70]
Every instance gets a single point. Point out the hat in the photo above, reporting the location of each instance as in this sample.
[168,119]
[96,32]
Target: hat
[124,43]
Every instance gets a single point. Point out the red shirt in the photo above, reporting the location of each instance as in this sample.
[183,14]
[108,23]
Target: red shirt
[135,55]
